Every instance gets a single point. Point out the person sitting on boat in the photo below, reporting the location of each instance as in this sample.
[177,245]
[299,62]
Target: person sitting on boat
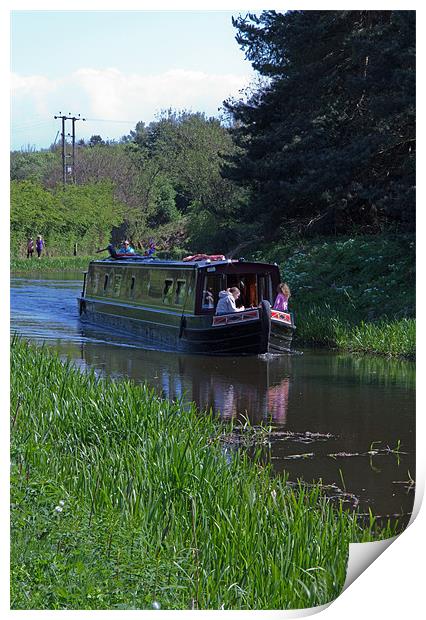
[227,299]
[151,248]
[126,248]
[281,300]
[208,299]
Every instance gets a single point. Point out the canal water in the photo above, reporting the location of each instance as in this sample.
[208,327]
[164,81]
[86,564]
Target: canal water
[346,420]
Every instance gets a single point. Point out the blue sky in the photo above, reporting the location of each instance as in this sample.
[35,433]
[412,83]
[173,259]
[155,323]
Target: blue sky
[112,66]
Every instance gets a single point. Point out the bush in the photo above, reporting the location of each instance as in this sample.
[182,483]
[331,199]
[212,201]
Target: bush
[79,214]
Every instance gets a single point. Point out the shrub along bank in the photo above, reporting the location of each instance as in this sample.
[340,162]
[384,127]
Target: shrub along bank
[79,216]
[121,500]
[354,293]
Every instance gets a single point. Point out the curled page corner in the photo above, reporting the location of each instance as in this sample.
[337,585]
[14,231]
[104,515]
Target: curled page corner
[361,555]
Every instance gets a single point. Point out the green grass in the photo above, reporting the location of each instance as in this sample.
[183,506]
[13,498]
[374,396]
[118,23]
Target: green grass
[123,500]
[46,263]
[353,293]
[325,326]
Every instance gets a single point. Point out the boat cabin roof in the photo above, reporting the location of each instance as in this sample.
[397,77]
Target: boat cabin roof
[234,265]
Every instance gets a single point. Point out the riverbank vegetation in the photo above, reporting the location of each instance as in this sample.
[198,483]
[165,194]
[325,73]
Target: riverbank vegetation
[352,293]
[121,500]
[59,263]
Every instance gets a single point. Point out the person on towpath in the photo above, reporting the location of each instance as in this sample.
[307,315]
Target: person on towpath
[39,245]
[30,247]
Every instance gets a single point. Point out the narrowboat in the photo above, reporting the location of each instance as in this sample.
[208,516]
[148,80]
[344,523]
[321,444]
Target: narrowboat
[172,304]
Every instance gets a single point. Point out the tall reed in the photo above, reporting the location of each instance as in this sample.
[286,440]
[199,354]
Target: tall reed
[336,328]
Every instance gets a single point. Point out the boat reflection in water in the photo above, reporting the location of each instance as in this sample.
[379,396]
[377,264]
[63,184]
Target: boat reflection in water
[256,387]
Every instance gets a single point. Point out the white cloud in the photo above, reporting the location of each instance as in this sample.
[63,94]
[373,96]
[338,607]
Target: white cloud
[37,88]
[109,94]
[113,94]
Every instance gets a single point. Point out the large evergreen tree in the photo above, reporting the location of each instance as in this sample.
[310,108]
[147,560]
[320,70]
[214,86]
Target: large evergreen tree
[329,137]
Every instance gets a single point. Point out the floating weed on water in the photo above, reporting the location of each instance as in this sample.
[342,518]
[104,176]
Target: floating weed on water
[302,437]
[331,492]
[305,455]
[377,452]
[245,434]
[410,484]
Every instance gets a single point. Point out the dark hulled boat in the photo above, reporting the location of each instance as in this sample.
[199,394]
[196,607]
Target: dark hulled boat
[172,304]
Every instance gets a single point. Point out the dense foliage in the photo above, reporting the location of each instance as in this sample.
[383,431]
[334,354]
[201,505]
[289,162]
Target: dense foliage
[353,293]
[366,277]
[327,140]
[78,214]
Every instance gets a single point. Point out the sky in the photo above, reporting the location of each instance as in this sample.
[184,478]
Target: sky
[116,68]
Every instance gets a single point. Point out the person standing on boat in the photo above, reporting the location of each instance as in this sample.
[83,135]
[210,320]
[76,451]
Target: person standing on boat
[126,248]
[227,299]
[281,301]
[39,245]
[151,248]
[30,247]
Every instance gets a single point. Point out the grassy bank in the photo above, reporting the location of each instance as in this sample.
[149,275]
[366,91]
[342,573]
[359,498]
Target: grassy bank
[122,500]
[356,294]
[47,263]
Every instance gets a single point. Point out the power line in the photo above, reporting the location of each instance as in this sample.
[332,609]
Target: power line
[35,119]
[110,120]
[39,125]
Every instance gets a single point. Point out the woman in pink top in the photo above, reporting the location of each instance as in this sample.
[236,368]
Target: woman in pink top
[281,301]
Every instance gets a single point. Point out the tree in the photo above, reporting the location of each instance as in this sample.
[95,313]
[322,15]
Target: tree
[32,211]
[329,137]
[96,140]
[32,165]
[183,152]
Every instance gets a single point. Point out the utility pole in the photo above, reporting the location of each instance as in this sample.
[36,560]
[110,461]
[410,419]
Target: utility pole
[68,169]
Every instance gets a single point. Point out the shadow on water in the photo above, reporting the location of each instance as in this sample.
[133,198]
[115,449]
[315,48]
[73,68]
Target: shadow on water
[344,419]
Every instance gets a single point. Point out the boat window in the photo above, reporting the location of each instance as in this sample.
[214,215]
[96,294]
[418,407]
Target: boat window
[180,292]
[106,282]
[168,286]
[248,288]
[142,286]
[117,284]
[264,287]
[94,282]
[213,284]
